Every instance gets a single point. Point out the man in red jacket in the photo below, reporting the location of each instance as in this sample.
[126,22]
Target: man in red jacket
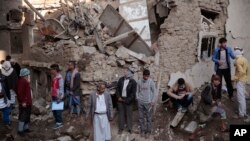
[25,101]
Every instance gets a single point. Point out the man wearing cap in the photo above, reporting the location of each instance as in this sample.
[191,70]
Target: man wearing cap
[11,78]
[25,101]
[241,77]
[126,92]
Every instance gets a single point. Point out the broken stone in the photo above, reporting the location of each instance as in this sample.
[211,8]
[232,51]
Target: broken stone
[89,50]
[64,138]
[112,61]
[121,53]
[110,50]
[191,127]
[39,107]
[120,63]
[70,130]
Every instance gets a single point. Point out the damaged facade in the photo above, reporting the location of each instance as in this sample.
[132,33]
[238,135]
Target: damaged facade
[183,36]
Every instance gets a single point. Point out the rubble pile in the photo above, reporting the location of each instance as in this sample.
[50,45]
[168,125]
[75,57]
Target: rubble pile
[97,60]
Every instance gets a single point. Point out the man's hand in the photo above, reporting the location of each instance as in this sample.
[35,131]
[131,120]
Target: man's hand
[24,105]
[220,62]
[120,99]
[180,96]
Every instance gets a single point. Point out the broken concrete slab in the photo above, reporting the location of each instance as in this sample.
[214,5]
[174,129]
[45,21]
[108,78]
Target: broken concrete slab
[120,62]
[119,26]
[190,128]
[89,50]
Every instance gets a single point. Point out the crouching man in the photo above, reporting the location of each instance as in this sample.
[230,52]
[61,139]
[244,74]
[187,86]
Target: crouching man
[100,111]
[210,105]
[181,95]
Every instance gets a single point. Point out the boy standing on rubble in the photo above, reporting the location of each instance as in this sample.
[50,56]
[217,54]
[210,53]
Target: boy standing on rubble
[57,93]
[146,99]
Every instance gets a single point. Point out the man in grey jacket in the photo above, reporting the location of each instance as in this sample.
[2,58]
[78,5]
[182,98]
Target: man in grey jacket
[146,99]
[100,111]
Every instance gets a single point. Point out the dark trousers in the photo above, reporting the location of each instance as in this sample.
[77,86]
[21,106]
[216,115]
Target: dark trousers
[125,110]
[226,73]
[57,113]
[6,115]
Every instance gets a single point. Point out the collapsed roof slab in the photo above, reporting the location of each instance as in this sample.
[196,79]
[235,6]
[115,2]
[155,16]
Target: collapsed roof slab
[118,25]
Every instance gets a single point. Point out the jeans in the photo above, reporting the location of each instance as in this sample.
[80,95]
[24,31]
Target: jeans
[6,115]
[145,116]
[185,101]
[57,113]
[226,73]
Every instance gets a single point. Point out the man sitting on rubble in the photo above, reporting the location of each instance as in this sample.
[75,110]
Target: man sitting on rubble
[181,94]
[210,105]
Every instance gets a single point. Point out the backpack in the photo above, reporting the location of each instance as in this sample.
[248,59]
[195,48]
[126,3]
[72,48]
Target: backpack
[206,95]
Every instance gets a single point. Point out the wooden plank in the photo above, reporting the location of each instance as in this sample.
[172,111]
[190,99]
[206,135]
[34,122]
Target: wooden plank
[34,9]
[178,117]
[99,42]
[119,37]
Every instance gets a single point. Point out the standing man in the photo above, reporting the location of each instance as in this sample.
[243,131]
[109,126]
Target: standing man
[146,99]
[100,110]
[73,88]
[11,78]
[57,93]
[4,101]
[25,101]
[15,66]
[241,77]
[126,92]
[221,58]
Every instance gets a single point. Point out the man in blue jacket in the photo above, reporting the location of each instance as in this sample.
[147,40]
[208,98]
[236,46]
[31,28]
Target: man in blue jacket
[221,58]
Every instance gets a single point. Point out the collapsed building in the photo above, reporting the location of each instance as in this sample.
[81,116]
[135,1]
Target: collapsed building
[173,38]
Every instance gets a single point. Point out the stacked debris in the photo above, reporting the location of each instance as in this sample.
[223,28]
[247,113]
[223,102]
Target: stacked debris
[74,32]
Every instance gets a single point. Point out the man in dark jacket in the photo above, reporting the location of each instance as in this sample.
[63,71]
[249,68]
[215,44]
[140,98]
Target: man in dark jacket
[72,88]
[4,100]
[11,78]
[126,93]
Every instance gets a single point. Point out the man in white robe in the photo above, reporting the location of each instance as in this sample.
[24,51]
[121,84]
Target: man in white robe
[100,109]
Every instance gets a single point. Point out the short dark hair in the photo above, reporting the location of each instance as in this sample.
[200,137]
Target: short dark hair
[215,78]
[55,67]
[181,81]
[146,72]
[8,58]
[222,40]
[73,63]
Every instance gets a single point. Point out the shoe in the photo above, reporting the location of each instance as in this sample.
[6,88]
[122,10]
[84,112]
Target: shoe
[21,134]
[130,131]
[179,109]
[27,130]
[238,117]
[58,125]
[184,110]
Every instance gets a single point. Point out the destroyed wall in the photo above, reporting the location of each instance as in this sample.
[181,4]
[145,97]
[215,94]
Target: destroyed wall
[6,23]
[179,40]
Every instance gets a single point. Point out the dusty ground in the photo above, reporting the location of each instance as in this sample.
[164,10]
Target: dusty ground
[42,130]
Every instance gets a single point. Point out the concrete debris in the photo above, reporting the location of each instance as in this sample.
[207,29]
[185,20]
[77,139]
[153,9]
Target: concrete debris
[191,127]
[89,50]
[64,138]
[39,107]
